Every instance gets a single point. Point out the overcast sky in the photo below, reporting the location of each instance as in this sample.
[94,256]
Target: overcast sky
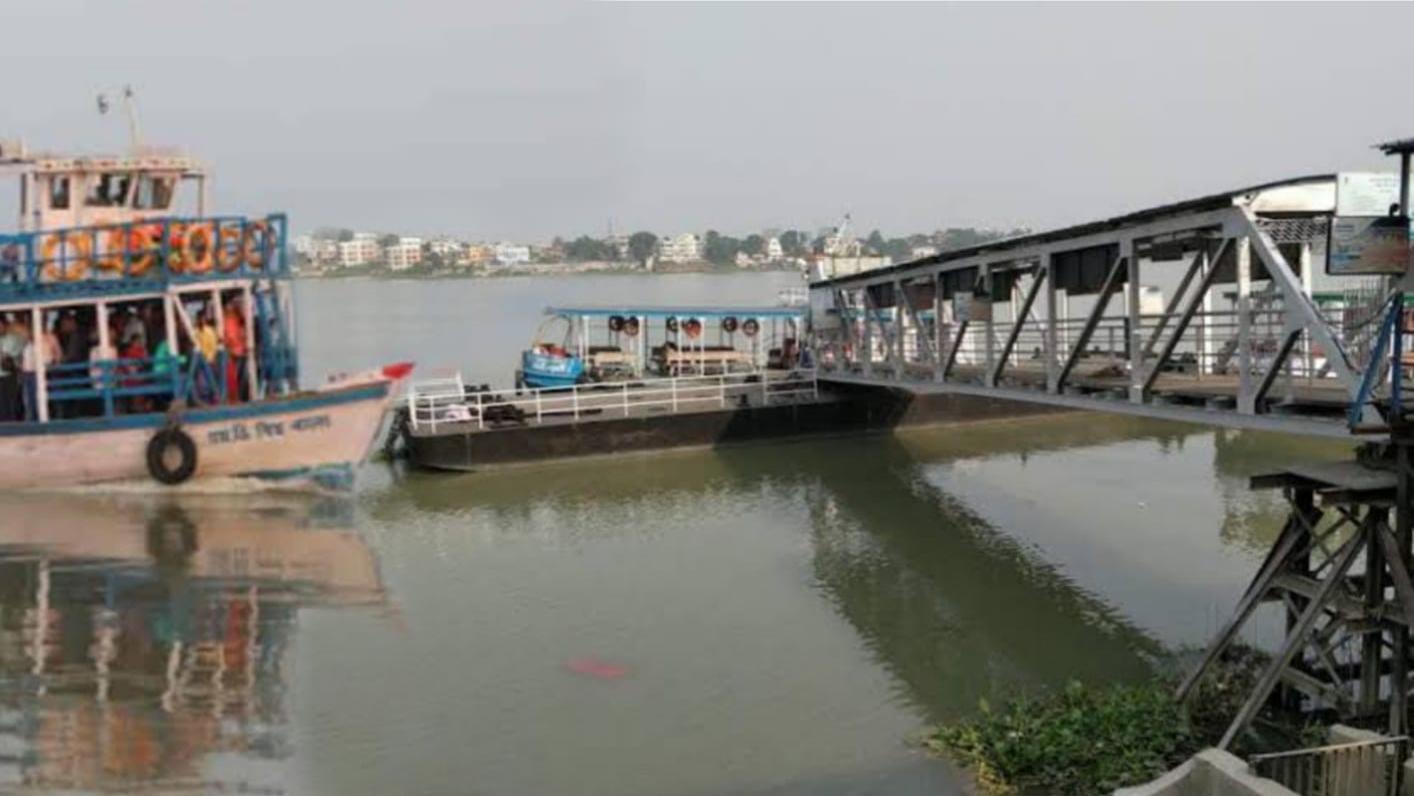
[523,120]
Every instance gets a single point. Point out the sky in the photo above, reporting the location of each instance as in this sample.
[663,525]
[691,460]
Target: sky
[525,120]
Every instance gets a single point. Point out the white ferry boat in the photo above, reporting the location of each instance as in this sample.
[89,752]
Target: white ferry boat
[144,338]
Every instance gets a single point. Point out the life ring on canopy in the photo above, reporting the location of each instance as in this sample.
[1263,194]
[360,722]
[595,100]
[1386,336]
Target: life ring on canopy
[228,250]
[631,327]
[254,243]
[671,323]
[112,257]
[197,249]
[693,327]
[171,456]
[729,324]
[616,323]
[750,327]
[140,248]
[66,256]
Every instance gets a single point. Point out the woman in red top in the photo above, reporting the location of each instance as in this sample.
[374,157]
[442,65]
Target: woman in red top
[234,338]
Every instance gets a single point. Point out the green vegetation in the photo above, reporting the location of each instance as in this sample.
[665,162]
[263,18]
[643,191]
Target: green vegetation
[641,246]
[1090,740]
[1078,742]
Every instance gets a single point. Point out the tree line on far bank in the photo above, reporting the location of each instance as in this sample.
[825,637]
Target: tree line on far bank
[722,250]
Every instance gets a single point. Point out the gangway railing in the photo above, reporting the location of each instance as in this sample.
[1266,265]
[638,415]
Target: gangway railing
[438,402]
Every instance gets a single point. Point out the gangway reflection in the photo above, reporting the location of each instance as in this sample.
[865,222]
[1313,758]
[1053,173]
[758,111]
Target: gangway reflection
[144,643]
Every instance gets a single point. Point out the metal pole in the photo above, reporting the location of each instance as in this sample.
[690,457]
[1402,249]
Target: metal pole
[41,364]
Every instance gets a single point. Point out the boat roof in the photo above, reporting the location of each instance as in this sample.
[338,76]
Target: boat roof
[14,156]
[665,311]
[1286,202]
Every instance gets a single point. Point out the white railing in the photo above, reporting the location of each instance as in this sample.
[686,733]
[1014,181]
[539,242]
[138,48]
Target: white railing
[444,401]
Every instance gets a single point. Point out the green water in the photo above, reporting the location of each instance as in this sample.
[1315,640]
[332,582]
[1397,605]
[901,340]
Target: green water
[758,620]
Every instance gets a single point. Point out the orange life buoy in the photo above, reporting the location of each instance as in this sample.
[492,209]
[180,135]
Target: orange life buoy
[66,256]
[197,249]
[112,257]
[228,249]
[254,244]
[693,327]
[140,248]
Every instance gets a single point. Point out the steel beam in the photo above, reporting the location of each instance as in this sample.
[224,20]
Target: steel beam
[1102,301]
[1209,273]
[1039,278]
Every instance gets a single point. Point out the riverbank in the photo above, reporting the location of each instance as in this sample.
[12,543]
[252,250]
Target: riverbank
[379,271]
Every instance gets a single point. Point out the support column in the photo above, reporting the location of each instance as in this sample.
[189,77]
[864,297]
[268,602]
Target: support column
[1246,392]
[1051,335]
[41,365]
[867,306]
[1134,342]
[989,338]
[940,336]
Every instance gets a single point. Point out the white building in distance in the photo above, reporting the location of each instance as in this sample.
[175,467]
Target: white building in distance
[362,249]
[512,253]
[684,248]
[446,248]
[773,249]
[404,254]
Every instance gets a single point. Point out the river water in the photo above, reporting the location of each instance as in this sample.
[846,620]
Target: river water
[774,619]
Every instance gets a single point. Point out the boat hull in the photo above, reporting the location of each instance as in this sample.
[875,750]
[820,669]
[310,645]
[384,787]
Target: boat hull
[323,435]
[548,370]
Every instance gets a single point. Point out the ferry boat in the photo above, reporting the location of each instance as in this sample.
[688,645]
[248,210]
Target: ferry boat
[579,345]
[144,341]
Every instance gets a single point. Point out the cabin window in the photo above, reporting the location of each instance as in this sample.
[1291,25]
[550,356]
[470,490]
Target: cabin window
[153,193]
[110,190]
[58,193]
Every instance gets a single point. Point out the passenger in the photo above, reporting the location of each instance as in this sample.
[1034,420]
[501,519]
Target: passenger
[134,328]
[234,337]
[29,365]
[164,362]
[101,369]
[208,345]
[11,352]
[130,373]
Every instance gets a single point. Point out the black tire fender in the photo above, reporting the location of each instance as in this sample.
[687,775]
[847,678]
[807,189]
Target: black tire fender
[161,446]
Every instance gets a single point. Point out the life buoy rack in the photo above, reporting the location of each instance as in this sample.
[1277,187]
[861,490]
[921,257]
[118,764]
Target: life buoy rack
[671,323]
[631,327]
[254,243]
[693,327]
[171,456]
[66,256]
[616,323]
[729,324]
[750,327]
[197,249]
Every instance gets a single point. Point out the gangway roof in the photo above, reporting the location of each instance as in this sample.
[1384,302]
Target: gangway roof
[666,311]
[1217,201]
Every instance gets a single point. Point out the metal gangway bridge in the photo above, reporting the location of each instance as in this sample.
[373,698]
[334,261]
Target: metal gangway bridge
[1231,309]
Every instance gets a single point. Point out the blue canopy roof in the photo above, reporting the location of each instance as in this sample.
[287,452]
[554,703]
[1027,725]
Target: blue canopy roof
[660,311]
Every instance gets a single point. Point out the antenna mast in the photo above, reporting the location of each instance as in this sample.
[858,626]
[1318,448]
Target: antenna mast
[130,108]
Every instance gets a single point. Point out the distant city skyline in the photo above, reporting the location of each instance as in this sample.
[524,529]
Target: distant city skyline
[521,122]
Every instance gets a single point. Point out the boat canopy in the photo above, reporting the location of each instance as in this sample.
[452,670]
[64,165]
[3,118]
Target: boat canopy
[660,311]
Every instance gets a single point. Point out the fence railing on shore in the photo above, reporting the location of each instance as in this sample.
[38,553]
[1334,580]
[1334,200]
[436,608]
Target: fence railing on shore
[438,402]
[1359,768]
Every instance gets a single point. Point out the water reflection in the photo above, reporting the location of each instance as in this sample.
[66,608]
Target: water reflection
[145,645]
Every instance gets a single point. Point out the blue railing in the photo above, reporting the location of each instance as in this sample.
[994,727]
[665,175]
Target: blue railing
[136,255]
[105,388]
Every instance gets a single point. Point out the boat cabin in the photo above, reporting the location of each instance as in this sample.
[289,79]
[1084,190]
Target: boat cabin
[587,344]
[130,296]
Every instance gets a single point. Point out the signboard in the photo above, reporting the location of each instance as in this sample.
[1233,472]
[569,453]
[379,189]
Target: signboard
[969,307]
[1367,246]
[1365,193]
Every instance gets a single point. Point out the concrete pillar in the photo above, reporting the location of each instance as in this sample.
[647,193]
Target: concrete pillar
[1246,389]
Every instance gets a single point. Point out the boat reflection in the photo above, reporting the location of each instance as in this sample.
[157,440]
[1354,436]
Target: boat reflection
[144,644]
